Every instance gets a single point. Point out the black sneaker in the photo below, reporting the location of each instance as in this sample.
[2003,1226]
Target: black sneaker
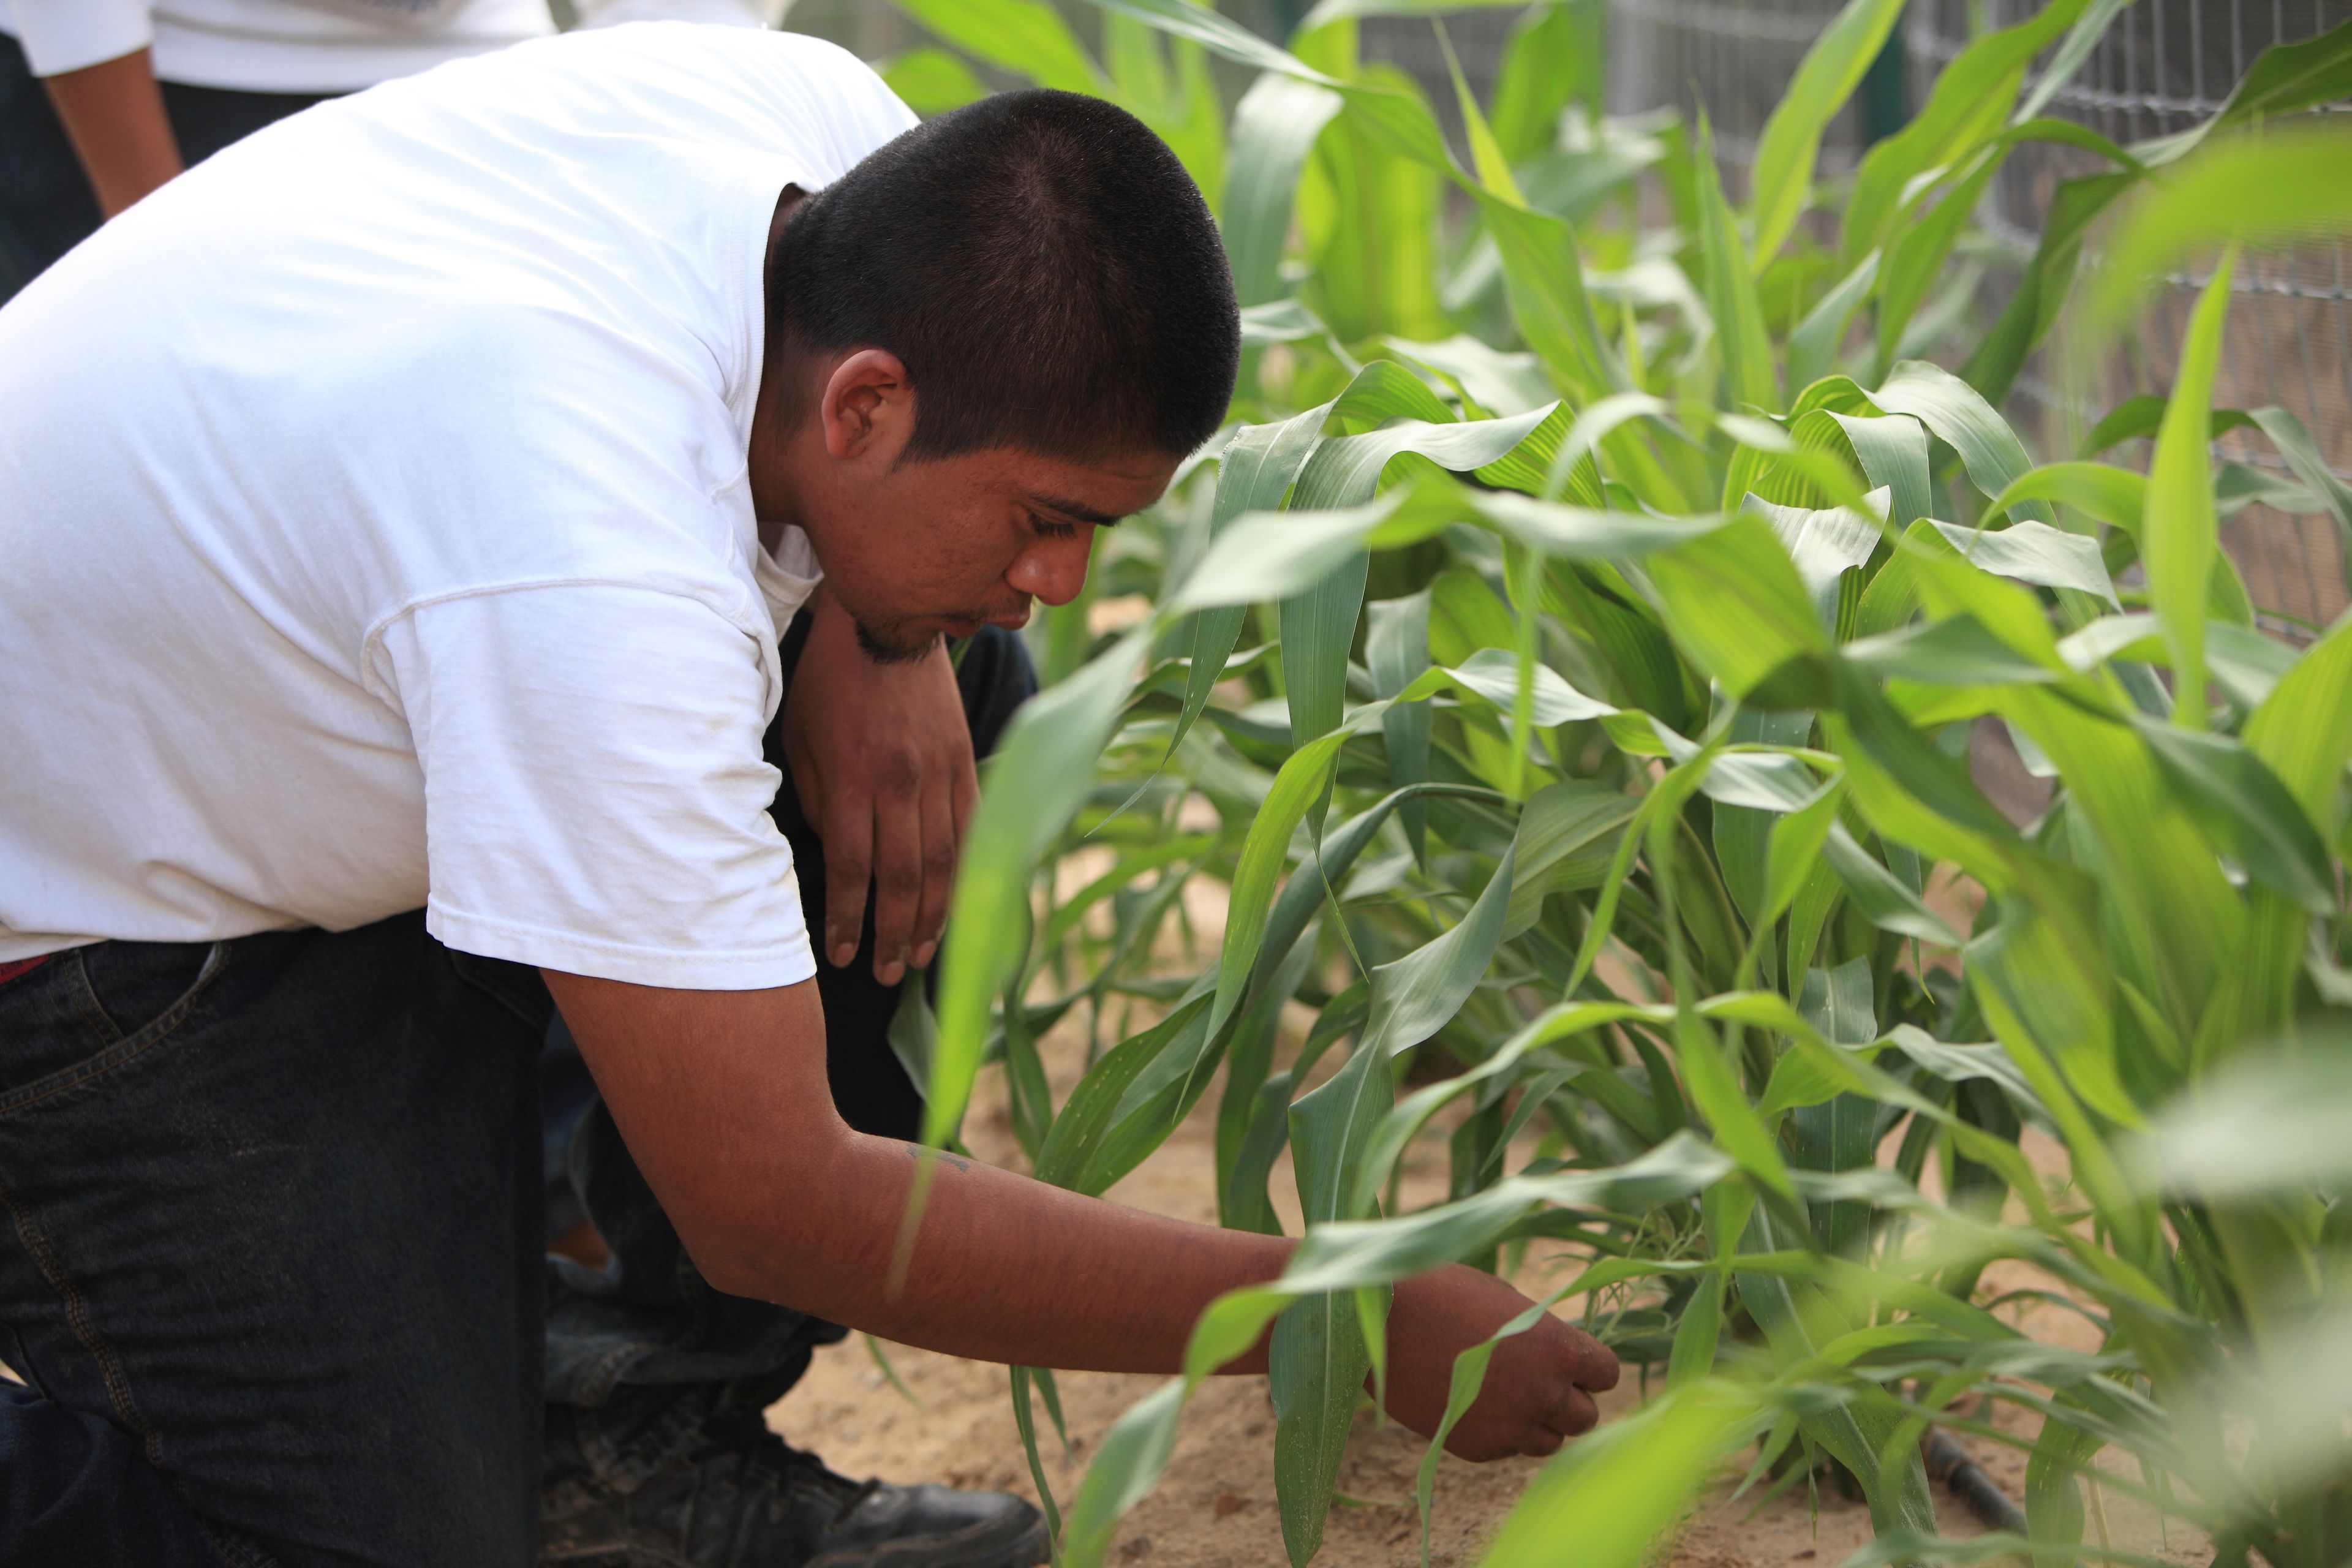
[745,1498]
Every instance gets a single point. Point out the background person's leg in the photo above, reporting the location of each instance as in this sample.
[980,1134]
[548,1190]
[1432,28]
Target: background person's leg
[46,205]
[206,118]
[273,1219]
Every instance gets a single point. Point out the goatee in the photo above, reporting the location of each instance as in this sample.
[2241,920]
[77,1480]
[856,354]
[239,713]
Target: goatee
[882,649]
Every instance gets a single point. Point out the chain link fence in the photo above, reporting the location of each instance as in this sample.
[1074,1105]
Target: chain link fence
[2164,65]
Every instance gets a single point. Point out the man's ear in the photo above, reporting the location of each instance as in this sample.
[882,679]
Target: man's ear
[867,407]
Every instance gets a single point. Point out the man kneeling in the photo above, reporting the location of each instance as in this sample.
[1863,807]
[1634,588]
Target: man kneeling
[402,514]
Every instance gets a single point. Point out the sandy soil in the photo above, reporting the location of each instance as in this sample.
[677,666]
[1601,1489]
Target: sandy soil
[1216,1503]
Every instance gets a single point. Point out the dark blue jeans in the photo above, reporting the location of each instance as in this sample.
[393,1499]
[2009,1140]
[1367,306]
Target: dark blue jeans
[272,1259]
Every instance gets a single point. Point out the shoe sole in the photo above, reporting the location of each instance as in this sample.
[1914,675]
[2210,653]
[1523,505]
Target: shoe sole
[1027,1550]
[972,1550]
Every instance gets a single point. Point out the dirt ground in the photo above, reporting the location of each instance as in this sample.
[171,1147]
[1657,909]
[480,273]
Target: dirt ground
[1215,1505]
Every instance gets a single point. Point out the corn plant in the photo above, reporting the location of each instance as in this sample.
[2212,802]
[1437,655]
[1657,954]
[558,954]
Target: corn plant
[1618,603]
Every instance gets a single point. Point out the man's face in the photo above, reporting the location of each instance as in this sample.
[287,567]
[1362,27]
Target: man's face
[944,546]
[915,550]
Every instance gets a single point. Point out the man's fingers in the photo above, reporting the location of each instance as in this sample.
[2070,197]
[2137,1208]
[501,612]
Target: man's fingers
[939,843]
[1597,1364]
[1540,1442]
[1575,1415]
[897,882]
[848,837]
[963,797]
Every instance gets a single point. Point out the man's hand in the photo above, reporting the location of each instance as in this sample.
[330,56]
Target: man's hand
[1539,1386]
[882,760]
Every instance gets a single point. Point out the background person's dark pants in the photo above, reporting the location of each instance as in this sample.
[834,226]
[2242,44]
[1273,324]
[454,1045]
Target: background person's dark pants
[272,1251]
[46,205]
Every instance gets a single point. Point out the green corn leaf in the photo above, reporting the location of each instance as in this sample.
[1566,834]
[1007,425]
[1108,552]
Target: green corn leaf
[2302,453]
[1966,105]
[2048,278]
[2140,416]
[1961,418]
[1798,1320]
[1486,157]
[1741,341]
[1955,651]
[2259,1127]
[1219,33]
[1318,627]
[2034,552]
[1257,471]
[1838,1133]
[1275,128]
[1582,533]
[2282,187]
[1832,67]
[1826,544]
[1024,1419]
[1551,58]
[1285,555]
[2248,812]
[1795,852]
[931,82]
[2177,540]
[1368,213]
[1616,1492]
[2080,39]
[2116,497]
[1403,1123]
[1318,1358]
[1351,1253]
[1893,452]
[1319,1355]
[1492,674]
[2284,79]
[1296,787]
[1883,898]
[1346,470]
[1328,11]
[1917,253]
[1413,997]
[1813,346]
[1469,1378]
[1396,647]
[2303,730]
[1027,37]
[2176,910]
[1735,603]
[1040,773]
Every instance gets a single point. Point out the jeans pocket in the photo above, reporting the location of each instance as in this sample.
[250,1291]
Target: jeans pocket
[142,986]
[91,1009]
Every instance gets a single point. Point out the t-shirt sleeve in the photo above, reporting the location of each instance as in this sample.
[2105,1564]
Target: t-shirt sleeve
[595,795]
[60,36]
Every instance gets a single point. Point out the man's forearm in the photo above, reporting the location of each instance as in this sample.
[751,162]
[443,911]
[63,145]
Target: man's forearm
[113,112]
[1005,1268]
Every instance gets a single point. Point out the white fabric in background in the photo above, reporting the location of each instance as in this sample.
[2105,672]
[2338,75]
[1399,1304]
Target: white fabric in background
[375,529]
[316,45]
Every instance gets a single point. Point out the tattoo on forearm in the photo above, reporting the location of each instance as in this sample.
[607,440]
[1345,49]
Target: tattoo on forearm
[916,1151]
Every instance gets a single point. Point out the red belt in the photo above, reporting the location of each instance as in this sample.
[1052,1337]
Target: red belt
[21,966]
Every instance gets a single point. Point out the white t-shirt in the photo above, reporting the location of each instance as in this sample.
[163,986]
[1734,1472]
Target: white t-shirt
[315,46]
[375,529]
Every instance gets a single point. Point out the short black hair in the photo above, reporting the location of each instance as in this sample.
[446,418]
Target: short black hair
[1043,267]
